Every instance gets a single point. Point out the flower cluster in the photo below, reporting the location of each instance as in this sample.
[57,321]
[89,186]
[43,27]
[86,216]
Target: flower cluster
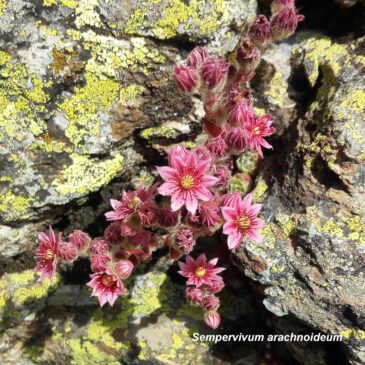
[196,182]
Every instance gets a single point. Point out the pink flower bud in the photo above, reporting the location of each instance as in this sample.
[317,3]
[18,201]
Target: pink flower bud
[212,319]
[241,113]
[211,127]
[186,78]
[237,93]
[214,110]
[167,217]
[284,23]
[209,213]
[278,5]
[185,240]
[259,32]
[99,262]
[214,71]
[247,56]
[211,302]
[113,233]
[237,140]
[80,239]
[223,174]
[230,199]
[217,146]
[99,245]
[197,57]
[194,295]
[174,254]
[245,76]
[123,268]
[67,251]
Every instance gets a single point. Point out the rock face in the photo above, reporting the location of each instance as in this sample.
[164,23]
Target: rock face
[87,105]
[312,190]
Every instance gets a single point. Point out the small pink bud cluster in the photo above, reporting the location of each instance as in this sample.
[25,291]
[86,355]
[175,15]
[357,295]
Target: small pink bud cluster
[203,283]
[196,182]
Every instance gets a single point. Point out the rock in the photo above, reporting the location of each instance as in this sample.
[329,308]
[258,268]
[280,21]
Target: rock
[78,79]
[312,190]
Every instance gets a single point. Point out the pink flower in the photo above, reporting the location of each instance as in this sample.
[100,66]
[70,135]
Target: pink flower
[80,239]
[186,179]
[212,319]
[99,245]
[197,56]
[241,220]
[199,271]
[194,295]
[186,78]
[210,302]
[134,202]
[99,262]
[259,32]
[106,286]
[123,268]
[256,129]
[142,238]
[185,240]
[67,251]
[47,254]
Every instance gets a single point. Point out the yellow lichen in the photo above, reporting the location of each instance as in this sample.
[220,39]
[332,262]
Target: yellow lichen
[14,206]
[259,191]
[129,94]
[353,333]
[86,174]
[277,90]
[156,132]
[3,6]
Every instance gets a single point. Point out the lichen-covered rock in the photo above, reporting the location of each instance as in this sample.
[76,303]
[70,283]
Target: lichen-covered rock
[312,190]
[77,79]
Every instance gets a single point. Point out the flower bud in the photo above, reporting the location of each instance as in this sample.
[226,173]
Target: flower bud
[217,146]
[237,93]
[99,262]
[80,239]
[186,78]
[212,319]
[99,245]
[237,140]
[185,240]
[247,56]
[278,5]
[241,112]
[259,32]
[210,302]
[194,295]
[211,127]
[197,56]
[214,71]
[123,268]
[113,233]
[167,217]
[284,23]
[223,174]
[67,251]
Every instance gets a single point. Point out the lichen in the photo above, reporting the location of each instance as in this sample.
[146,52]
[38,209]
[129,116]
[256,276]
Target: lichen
[13,207]
[156,132]
[86,174]
[33,352]
[277,90]
[259,191]
[353,333]
[3,6]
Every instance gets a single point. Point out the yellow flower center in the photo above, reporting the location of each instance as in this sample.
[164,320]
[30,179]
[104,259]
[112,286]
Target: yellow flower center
[132,204]
[256,130]
[49,255]
[187,181]
[243,222]
[107,280]
[200,272]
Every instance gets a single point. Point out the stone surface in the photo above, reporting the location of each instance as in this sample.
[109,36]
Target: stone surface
[312,190]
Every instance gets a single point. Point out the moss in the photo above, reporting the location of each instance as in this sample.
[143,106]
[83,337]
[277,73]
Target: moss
[353,333]
[277,90]
[87,174]
[13,207]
